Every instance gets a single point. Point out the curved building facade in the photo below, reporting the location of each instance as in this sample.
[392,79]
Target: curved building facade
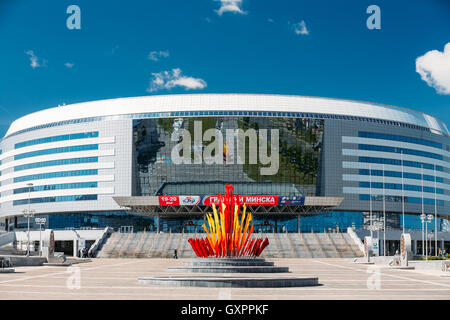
[70,162]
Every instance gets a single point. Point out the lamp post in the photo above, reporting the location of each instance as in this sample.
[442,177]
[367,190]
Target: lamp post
[422,218]
[430,218]
[427,220]
[40,222]
[378,226]
[370,201]
[435,213]
[28,214]
[430,236]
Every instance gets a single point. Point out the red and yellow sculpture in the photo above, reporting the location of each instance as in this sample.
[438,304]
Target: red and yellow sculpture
[228,235]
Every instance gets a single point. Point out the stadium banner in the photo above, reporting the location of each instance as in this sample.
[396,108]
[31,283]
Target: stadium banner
[293,201]
[249,200]
[169,200]
[190,200]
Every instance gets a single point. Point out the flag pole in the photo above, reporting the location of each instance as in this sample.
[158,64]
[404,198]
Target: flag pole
[435,214]
[384,217]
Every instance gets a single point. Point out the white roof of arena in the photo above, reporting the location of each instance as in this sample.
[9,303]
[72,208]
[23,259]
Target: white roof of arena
[227,102]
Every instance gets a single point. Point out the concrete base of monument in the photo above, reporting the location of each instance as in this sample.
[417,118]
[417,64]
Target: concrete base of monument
[197,262]
[231,269]
[231,282]
[230,265]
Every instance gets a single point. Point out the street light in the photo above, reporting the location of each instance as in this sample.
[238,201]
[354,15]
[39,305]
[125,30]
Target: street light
[430,236]
[379,226]
[430,218]
[422,218]
[425,219]
[40,222]
[28,214]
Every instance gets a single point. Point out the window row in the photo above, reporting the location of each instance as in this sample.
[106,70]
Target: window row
[55,199]
[396,174]
[393,137]
[62,186]
[51,175]
[55,163]
[73,136]
[56,150]
[400,150]
[366,197]
[399,163]
[398,186]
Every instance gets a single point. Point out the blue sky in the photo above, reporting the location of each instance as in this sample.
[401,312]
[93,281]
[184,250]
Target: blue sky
[250,48]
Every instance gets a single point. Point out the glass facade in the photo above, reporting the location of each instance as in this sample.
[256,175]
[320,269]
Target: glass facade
[330,222]
[299,143]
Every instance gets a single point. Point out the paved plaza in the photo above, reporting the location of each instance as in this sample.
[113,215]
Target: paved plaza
[117,279]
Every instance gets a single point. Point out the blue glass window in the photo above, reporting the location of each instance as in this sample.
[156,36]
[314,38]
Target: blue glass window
[73,136]
[397,174]
[55,163]
[56,199]
[62,186]
[56,150]
[56,175]
[385,136]
[399,163]
[399,150]
[398,186]
[366,197]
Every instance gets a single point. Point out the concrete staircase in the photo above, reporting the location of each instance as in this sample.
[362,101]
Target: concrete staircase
[7,238]
[281,245]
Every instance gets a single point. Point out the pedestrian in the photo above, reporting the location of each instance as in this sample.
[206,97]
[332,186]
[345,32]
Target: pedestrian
[175,254]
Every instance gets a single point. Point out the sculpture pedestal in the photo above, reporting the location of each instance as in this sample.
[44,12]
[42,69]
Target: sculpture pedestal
[230,265]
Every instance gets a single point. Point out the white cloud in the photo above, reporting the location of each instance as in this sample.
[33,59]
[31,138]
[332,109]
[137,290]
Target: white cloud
[174,78]
[69,65]
[34,61]
[434,69]
[233,6]
[269,20]
[300,28]
[156,55]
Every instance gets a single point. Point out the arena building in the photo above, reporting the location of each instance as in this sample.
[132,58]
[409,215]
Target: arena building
[306,163]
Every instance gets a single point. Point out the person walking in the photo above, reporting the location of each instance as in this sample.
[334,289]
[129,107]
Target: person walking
[175,254]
